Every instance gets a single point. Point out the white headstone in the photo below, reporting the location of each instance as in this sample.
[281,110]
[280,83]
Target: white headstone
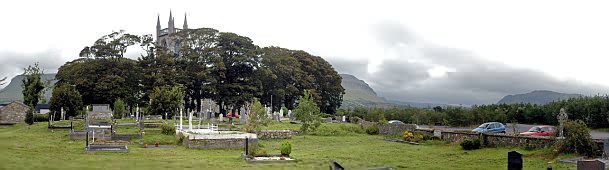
[190,121]
[344,118]
[221,117]
[291,115]
[437,133]
[137,112]
[180,119]
[281,112]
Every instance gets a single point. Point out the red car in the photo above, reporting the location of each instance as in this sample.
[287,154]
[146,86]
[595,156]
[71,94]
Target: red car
[540,131]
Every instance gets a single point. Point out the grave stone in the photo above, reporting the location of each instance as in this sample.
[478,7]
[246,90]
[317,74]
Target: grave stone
[514,160]
[606,148]
[291,115]
[562,117]
[329,120]
[437,133]
[242,118]
[221,117]
[281,113]
[590,165]
[344,119]
[335,166]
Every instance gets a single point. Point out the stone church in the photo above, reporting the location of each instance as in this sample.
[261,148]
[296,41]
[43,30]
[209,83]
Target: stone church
[163,35]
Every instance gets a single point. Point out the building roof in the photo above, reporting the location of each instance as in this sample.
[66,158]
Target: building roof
[41,106]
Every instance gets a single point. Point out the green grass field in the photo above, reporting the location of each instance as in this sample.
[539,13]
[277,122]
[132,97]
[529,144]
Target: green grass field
[35,147]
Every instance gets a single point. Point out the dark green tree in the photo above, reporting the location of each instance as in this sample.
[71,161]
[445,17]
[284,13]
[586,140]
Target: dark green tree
[66,97]
[323,80]
[195,59]
[166,99]
[118,108]
[233,68]
[32,90]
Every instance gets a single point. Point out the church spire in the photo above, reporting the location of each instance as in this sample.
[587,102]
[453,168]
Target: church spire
[158,21]
[185,22]
[171,26]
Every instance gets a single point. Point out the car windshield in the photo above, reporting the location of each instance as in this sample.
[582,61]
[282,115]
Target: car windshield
[483,125]
[534,129]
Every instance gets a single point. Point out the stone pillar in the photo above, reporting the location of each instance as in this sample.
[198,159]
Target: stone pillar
[190,121]
[180,119]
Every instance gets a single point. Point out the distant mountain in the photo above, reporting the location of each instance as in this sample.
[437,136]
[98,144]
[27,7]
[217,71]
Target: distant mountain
[536,97]
[13,91]
[359,93]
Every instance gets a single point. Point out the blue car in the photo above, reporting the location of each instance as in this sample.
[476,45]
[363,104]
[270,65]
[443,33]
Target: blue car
[492,127]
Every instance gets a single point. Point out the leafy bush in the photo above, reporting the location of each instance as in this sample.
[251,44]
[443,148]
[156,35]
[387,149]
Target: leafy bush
[470,144]
[168,129]
[408,136]
[372,130]
[29,117]
[286,148]
[577,139]
[41,117]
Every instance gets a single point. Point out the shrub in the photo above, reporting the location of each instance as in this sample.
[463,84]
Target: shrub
[408,136]
[577,139]
[337,130]
[470,144]
[168,129]
[41,117]
[372,130]
[286,148]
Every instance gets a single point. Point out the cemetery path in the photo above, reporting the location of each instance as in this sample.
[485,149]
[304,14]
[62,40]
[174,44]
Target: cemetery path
[519,127]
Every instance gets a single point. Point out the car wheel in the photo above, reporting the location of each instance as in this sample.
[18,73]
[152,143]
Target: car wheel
[502,131]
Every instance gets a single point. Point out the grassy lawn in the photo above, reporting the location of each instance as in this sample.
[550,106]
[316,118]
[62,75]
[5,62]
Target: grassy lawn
[35,147]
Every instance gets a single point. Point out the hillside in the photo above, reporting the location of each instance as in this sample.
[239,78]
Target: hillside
[536,97]
[12,91]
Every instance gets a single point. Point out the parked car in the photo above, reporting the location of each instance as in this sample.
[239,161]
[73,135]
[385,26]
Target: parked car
[540,131]
[395,122]
[494,127]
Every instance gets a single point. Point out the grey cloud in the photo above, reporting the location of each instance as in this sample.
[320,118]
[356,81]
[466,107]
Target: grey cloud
[13,63]
[473,81]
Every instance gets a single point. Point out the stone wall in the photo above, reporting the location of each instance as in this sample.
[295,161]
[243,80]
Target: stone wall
[458,136]
[217,143]
[392,129]
[81,135]
[275,134]
[503,140]
[14,112]
[223,140]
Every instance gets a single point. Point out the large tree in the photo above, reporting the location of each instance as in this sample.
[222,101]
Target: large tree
[323,80]
[235,61]
[281,77]
[103,74]
[195,59]
[66,97]
[32,89]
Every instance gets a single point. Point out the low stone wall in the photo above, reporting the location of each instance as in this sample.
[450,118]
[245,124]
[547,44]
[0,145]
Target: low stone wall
[458,136]
[503,140]
[275,134]
[81,135]
[125,137]
[218,141]
[392,129]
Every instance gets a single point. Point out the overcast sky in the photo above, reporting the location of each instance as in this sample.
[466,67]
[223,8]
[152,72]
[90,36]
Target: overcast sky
[465,52]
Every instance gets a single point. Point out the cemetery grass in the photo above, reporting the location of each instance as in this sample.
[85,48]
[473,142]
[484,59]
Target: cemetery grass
[36,147]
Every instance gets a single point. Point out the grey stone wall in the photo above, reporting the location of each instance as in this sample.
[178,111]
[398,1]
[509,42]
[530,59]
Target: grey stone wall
[275,134]
[230,143]
[392,129]
[13,113]
[81,135]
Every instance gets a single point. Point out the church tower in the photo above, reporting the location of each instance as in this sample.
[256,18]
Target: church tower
[164,35]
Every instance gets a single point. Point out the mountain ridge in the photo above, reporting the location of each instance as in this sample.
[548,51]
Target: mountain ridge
[536,97]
